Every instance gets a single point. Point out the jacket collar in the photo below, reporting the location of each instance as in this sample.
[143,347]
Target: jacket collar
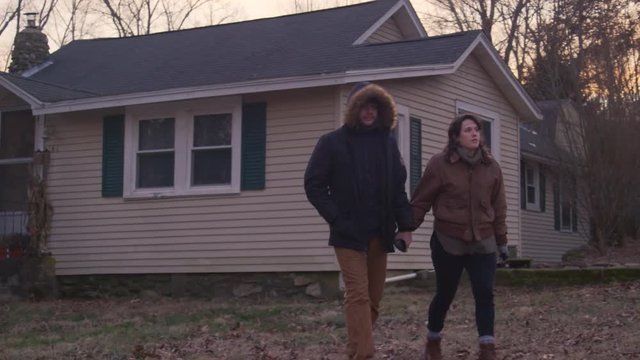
[453,157]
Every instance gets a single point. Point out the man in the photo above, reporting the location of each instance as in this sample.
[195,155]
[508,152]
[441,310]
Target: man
[356,180]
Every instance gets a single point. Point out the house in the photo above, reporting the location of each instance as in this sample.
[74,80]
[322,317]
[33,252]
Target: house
[553,220]
[184,151]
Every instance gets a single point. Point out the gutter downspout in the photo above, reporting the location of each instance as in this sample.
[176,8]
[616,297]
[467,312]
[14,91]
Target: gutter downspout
[401,277]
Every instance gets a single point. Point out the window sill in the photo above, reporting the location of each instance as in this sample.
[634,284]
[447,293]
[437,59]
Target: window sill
[166,194]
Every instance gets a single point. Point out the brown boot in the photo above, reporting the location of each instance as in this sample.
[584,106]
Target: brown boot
[487,352]
[432,350]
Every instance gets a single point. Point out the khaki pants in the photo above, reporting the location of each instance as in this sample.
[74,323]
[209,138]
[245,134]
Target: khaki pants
[363,274]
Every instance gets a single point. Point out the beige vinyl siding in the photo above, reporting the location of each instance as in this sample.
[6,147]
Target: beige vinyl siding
[540,240]
[387,32]
[275,229]
[433,100]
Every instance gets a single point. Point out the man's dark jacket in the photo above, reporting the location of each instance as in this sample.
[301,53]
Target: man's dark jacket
[331,181]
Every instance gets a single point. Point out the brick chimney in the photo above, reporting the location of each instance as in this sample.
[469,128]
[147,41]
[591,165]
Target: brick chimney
[30,47]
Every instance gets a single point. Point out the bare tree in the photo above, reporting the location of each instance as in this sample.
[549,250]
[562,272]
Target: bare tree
[45,10]
[69,21]
[140,17]
[299,6]
[11,12]
[501,21]
[602,155]
[587,51]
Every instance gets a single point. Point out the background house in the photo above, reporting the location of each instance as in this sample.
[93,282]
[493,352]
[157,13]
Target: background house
[185,151]
[553,221]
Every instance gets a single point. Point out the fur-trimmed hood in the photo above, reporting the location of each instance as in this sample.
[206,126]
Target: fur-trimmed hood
[387,117]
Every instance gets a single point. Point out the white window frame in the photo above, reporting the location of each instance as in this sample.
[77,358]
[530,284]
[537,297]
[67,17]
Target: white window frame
[183,112]
[488,115]
[565,228]
[404,140]
[535,206]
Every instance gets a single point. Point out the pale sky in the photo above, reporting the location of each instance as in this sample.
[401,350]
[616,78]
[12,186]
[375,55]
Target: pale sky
[267,8]
[256,9]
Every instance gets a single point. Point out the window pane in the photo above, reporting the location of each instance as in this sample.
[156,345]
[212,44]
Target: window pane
[530,177]
[155,170]
[531,194]
[156,134]
[211,167]
[212,130]
[566,216]
[17,130]
[14,180]
[486,133]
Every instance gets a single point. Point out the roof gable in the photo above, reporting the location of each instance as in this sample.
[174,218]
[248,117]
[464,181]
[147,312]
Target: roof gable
[504,78]
[399,23]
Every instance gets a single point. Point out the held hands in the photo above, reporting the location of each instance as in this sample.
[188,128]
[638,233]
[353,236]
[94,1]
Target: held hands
[403,240]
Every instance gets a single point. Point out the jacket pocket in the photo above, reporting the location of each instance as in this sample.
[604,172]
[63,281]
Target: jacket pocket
[453,210]
[487,210]
[343,225]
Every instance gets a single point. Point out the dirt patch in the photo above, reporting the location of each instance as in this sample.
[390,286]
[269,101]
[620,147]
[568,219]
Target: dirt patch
[598,322]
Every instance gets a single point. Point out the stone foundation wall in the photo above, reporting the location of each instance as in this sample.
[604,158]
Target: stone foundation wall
[319,285]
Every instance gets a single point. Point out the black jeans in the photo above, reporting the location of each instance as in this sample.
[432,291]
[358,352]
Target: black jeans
[481,269]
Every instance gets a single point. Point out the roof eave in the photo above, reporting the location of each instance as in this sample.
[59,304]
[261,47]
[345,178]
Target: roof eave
[527,155]
[19,92]
[242,88]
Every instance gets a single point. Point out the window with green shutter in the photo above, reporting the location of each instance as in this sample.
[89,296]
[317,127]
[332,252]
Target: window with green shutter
[194,147]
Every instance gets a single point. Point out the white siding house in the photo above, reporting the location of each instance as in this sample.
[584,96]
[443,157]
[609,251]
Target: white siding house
[553,222]
[126,180]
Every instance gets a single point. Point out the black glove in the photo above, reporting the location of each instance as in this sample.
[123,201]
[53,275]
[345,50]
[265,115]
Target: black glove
[503,253]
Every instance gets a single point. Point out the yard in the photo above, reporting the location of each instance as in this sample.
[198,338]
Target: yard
[591,322]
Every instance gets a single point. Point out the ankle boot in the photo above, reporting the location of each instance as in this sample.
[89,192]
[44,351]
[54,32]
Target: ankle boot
[432,350]
[487,352]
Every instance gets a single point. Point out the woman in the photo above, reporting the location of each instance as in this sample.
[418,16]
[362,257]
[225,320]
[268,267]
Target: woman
[464,186]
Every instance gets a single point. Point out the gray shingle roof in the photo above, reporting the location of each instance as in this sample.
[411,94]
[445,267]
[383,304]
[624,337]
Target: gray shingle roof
[44,91]
[538,138]
[305,44]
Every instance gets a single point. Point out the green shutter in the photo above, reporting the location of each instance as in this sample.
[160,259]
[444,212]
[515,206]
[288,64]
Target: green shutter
[112,155]
[543,189]
[556,206]
[254,139]
[523,185]
[415,152]
[574,208]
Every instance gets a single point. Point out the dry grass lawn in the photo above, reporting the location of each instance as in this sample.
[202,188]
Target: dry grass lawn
[573,323]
